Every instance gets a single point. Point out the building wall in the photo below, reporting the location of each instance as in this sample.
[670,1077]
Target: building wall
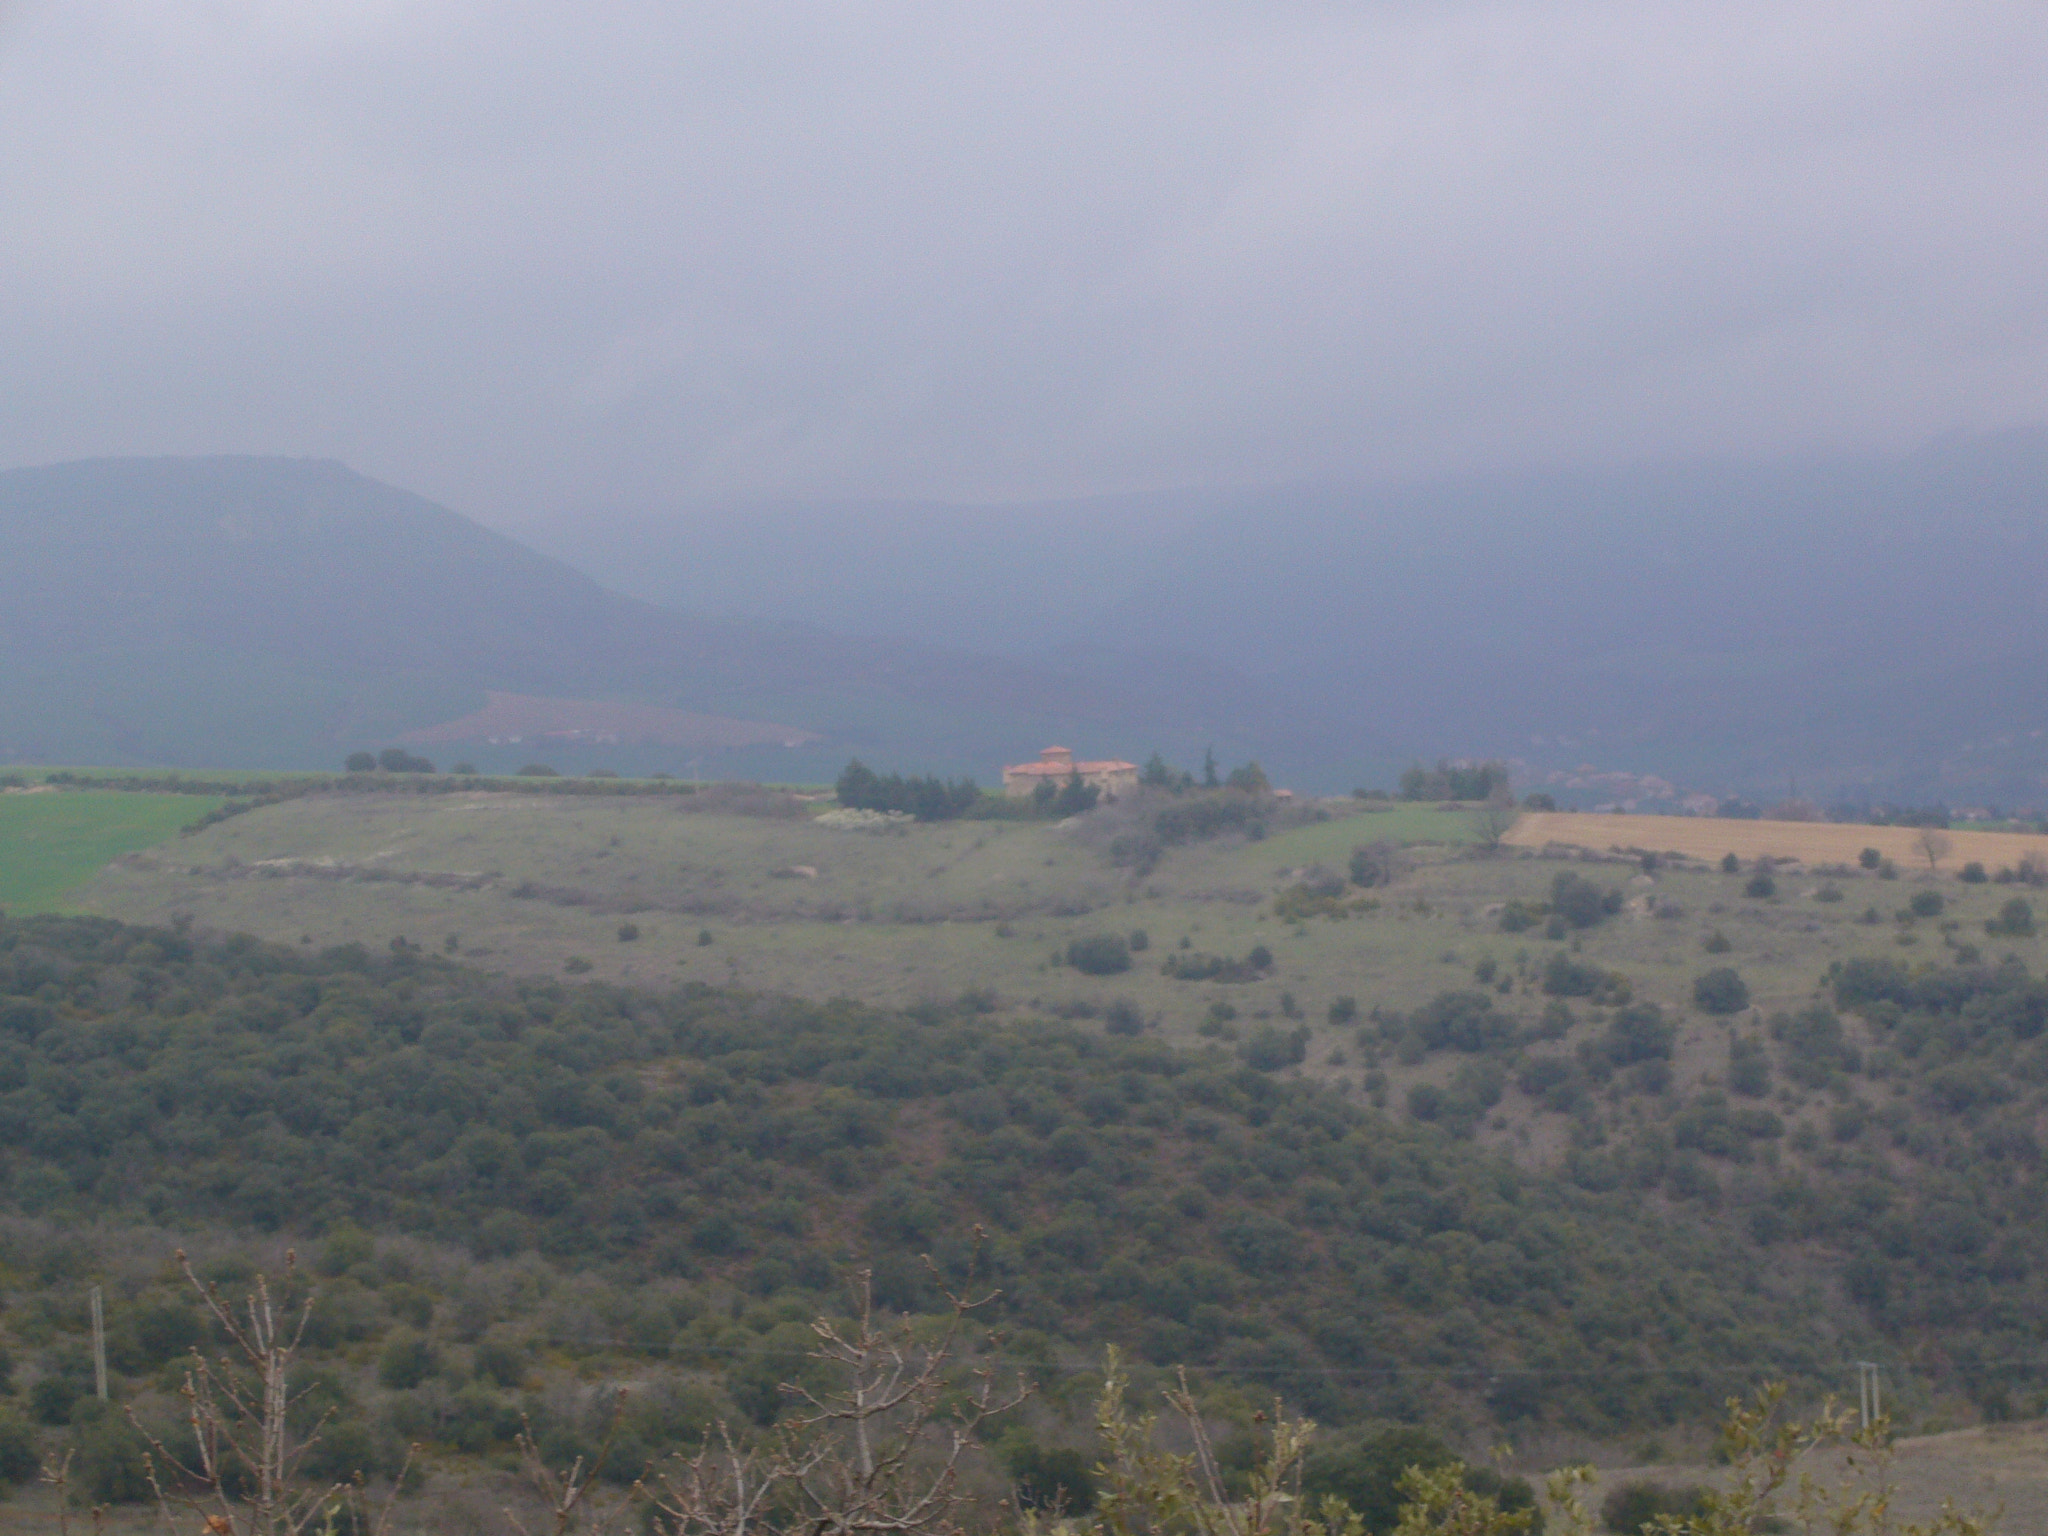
[1019,785]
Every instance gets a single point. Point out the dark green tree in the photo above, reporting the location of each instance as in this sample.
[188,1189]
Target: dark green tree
[1075,798]
[1103,954]
[1721,991]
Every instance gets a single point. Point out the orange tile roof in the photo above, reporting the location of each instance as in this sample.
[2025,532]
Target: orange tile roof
[1062,770]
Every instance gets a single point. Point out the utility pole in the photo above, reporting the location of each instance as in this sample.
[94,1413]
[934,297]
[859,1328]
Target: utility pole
[1868,1395]
[99,1344]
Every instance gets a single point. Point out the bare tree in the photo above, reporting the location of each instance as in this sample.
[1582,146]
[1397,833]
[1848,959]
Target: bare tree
[1933,844]
[873,1455]
[55,1475]
[243,1475]
[567,1495]
[1147,1489]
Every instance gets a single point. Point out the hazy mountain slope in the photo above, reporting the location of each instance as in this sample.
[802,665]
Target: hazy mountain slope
[251,611]
[1866,627]
[1865,624]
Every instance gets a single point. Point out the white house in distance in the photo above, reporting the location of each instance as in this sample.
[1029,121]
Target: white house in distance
[1056,765]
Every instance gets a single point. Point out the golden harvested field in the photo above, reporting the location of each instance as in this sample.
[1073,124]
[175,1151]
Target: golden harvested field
[1810,842]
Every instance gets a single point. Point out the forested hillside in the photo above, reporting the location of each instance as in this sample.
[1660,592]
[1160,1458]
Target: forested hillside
[680,1178]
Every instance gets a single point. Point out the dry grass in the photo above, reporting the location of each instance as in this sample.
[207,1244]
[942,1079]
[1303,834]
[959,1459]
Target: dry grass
[1997,1468]
[1810,842]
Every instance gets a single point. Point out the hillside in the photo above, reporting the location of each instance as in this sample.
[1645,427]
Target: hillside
[508,1188]
[280,613]
[1837,1070]
[1864,628]
[1868,625]
[692,1147]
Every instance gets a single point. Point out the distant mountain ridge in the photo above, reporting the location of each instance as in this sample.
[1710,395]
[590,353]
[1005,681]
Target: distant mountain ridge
[258,611]
[1861,628]
[1858,625]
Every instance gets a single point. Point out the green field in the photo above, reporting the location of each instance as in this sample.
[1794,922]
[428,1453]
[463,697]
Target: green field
[926,913]
[51,843]
[1330,842]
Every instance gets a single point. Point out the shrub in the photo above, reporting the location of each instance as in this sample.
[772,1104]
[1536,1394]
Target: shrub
[1123,1018]
[1140,941]
[1566,977]
[1516,917]
[1373,864]
[2015,920]
[1202,817]
[1870,858]
[1366,1473]
[1059,1481]
[703,938]
[628,932]
[1454,781]
[1717,943]
[575,965]
[1749,1067]
[500,1361]
[1730,864]
[407,1361]
[1200,967]
[1816,1049]
[51,1399]
[1270,1049]
[1761,884]
[1634,1507]
[18,1459]
[1250,779]
[1721,991]
[1314,897]
[1461,1021]
[1102,954]
[398,760]
[1580,902]
[1636,1034]
[361,762]
[109,1466]
[1972,873]
[538,771]
[931,798]
[1925,904]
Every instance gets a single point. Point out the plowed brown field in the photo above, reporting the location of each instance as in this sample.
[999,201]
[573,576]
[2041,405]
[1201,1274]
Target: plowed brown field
[1810,842]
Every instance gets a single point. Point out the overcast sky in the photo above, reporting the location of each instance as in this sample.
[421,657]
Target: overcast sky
[536,256]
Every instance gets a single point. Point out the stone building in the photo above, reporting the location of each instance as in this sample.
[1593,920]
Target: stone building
[1056,765]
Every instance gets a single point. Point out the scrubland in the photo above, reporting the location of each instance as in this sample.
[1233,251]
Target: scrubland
[1478,1137]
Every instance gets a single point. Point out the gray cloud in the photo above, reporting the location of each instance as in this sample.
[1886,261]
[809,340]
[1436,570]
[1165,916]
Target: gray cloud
[525,256]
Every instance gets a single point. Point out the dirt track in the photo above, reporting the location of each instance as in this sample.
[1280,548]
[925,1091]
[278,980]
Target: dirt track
[1810,842]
